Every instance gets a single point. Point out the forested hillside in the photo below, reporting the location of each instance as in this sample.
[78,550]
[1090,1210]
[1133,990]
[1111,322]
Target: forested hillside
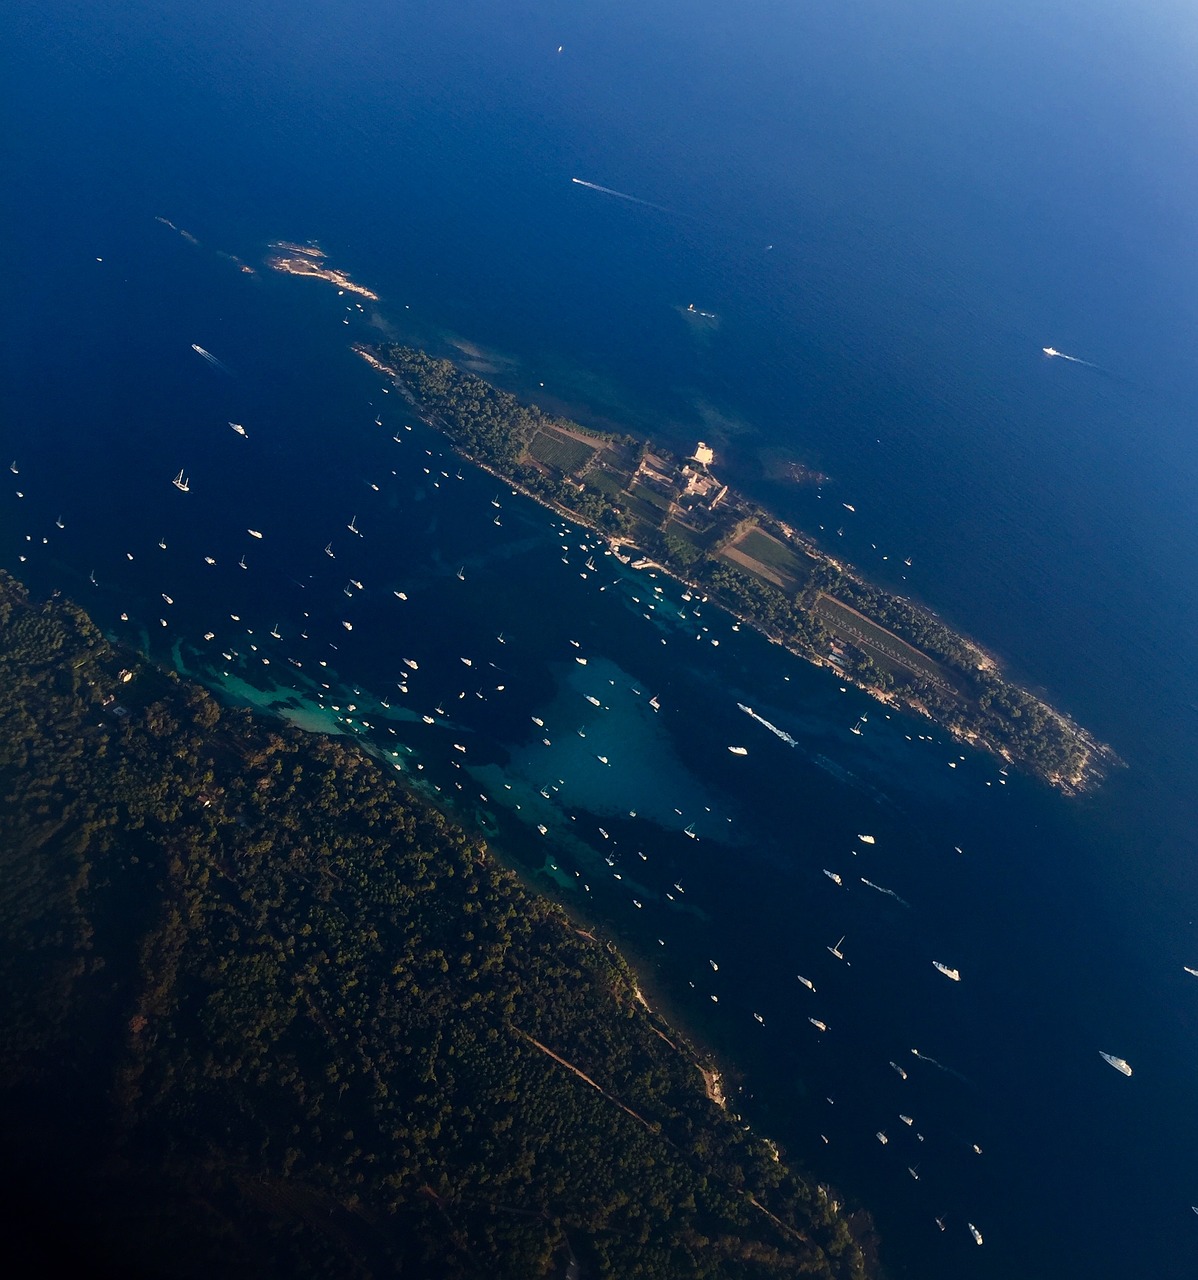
[264,1012]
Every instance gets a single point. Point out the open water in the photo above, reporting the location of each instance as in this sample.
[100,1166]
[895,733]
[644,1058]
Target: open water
[891,209]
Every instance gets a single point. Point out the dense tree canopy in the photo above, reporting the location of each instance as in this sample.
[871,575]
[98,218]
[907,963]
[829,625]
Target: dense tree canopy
[280,1017]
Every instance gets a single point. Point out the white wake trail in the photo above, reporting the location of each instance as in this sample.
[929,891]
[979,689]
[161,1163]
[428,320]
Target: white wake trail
[212,360]
[1054,354]
[773,728]
[890,893]
[620,195]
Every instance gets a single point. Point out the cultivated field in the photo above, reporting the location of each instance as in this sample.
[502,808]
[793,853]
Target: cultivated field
[561,452]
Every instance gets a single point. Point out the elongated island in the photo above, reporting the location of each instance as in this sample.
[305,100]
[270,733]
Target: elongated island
[267,1014]
[675,513]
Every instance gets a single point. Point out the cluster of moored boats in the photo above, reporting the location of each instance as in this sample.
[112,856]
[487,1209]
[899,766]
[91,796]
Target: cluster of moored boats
[585,552]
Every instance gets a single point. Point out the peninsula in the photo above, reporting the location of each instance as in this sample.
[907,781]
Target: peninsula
[675,513]
[268,1014]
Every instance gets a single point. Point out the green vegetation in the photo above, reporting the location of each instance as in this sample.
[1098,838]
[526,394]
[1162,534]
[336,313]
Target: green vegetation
[559,451]
[279,1018]
[751,563]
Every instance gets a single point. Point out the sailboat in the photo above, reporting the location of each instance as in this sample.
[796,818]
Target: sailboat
[353,527]
[181,482]
[461,574]
[689,830]
[59,523]
[274,631]
[162,542]
[836,949]
[329,551]
[242,563]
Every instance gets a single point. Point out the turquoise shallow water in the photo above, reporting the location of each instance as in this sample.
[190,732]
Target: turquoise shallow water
[929,235]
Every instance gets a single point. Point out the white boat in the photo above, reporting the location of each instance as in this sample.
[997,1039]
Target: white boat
[739,751]
[181,482]
[242,563]
[833,876]
[59,523]
[1191,972]
[866,839]
[329,551]
[817,1024]
[461,574]
[428,720]
[274,631]
[715,968]
[913,1171]
[836,949]
[353,527]
[238,428]
[973,1231]
[654,703]
[538,722]
[12,466]
[411,662]
[542,828]
[602,759]
[881,1137]
[759,1018]
[1120,1064]
[167,598]
[954,974]
[593,700]
[906,1119]
[806,982]
[848,506]
[689,830]
[162,542]
[209,635]
[902,1075]
[349,626]
[581,661]
[209,560]
[400,595]
[253,533]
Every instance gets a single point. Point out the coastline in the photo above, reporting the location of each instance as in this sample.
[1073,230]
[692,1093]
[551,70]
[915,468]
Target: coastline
[232,803]
[1091,760]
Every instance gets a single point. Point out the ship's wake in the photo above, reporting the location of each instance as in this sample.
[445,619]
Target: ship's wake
[212,360]
[1054,354]
[890,893]
[773,728]
[620,195]
[924,1057]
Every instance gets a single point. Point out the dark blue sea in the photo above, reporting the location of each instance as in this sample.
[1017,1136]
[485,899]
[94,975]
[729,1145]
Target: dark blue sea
[890,209]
